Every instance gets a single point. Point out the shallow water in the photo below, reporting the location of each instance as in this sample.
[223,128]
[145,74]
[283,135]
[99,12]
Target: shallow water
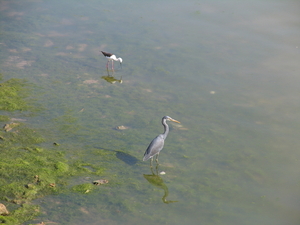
[227,71]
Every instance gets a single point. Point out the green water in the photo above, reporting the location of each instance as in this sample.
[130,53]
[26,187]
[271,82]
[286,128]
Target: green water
[228,71]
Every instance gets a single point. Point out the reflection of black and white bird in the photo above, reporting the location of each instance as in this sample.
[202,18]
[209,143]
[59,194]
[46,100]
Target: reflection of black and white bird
[157,143]
[112,58]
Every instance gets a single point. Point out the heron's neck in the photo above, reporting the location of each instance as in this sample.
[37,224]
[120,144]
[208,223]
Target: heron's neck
[165,134]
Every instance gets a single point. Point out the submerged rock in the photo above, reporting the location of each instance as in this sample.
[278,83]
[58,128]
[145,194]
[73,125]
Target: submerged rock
[52,185]
[3,210]
[121,127]
[99,182]
[10,126]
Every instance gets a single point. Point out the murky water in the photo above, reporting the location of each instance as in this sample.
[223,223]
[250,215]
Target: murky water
[228,71]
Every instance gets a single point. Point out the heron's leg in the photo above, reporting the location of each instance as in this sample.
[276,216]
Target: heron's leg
[152,171]
[157,158]
[151,160]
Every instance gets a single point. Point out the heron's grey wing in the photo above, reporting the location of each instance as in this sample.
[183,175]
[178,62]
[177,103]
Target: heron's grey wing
[155,147]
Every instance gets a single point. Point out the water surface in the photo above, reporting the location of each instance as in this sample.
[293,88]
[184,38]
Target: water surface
[228,71]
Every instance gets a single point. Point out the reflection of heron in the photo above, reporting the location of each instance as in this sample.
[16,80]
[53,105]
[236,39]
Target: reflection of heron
[110,79]
[112,58]
[158,182]
[157,143]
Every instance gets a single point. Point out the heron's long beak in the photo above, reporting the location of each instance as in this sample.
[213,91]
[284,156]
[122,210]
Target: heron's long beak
[175,121]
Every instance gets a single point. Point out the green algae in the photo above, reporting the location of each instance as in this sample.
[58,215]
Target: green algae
[22,214]
[12,93]
[27,170]
[83,188]
[33,172]
[4,118]
[16,164]
[25,163]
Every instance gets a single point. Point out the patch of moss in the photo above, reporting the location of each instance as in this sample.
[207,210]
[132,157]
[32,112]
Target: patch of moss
[21,135]
[3,118]
[28,171]
[12,93]
[24,213]
[83,188]
[61,167]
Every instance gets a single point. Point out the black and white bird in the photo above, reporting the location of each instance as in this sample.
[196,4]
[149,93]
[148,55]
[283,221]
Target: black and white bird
[111,57]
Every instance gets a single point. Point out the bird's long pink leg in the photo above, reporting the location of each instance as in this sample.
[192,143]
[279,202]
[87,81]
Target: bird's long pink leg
[107,64]
[112,64]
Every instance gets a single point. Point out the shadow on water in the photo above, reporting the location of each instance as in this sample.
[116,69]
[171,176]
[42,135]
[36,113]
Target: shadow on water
[125,157]
[157,181]
[110,77]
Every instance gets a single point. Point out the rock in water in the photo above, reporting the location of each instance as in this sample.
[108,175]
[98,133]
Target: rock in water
[3,210]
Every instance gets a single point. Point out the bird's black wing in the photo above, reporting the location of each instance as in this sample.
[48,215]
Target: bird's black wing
[106,54]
